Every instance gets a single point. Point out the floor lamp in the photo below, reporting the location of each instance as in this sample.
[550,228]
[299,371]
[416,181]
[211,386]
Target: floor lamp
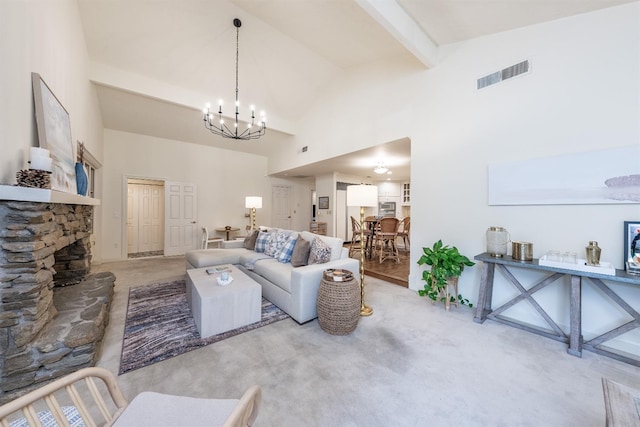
[253,203]
[362,196]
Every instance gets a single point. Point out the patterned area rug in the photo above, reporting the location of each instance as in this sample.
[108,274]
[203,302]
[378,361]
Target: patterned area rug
[159,325]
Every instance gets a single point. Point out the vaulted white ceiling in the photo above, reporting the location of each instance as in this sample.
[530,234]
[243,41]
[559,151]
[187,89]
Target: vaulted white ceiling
[156,62]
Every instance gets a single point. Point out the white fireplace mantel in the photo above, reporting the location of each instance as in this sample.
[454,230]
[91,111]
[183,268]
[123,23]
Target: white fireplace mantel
[41,195]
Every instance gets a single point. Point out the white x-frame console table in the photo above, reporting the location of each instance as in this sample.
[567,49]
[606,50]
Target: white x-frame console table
[574,338]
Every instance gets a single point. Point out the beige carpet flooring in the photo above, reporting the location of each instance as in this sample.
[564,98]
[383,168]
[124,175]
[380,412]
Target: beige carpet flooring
[410,364]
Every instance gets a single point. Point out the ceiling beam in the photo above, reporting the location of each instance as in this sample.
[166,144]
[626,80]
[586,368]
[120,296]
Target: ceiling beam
[403,28]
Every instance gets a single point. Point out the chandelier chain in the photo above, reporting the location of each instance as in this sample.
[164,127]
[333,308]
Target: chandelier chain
[221,128]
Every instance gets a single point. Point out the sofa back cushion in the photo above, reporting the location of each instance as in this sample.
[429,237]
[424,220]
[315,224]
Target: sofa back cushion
[335,243]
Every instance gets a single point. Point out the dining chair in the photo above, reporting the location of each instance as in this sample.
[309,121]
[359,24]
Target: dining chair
[385,239]
[356,243]
[206,239]
[403,232]
[370,225]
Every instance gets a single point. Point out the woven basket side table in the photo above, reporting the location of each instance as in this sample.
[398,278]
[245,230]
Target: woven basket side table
[338,302]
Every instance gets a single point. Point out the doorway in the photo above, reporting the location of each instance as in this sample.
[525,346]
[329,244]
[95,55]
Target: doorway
[281,211]
[145,218]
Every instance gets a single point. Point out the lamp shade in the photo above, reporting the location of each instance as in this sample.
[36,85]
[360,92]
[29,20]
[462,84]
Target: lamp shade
[253,202]
[362,195]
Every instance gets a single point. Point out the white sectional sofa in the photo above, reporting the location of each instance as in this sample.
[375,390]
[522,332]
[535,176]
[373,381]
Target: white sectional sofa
[293,289]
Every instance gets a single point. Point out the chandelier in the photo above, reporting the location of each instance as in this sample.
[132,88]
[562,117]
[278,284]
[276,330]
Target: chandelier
[216,124]
[381,168]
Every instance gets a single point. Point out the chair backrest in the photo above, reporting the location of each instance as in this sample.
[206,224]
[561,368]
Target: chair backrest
[355,226]
[620,404]
[205,238]
[91,394]
[389,225]
[405,224]
[246,411]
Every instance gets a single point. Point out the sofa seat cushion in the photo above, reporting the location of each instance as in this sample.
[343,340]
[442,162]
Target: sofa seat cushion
[210,257]
[249,259]
[156,409]
[276,272]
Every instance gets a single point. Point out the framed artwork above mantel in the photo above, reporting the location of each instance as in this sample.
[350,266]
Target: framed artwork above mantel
[54,134]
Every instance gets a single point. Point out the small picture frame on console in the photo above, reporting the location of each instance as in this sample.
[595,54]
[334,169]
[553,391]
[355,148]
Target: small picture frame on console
[632,246]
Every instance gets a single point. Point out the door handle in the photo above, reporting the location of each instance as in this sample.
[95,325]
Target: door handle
[193,222]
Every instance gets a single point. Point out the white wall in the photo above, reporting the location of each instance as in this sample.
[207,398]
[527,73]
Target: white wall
[326,187]
[45,37]
[583,94]
[223,179]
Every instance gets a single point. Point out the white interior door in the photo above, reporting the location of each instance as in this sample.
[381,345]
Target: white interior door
[281,209]
[157,217]
[145,217]
[132,218]
[181,220]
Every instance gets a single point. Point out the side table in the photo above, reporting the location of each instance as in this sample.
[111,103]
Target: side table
[338,302]
[227,230]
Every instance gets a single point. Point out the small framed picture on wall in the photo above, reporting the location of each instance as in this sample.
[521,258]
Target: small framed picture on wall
[323,202]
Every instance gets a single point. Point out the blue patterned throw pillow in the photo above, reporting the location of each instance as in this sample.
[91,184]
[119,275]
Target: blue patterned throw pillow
[276,242]
[261,241]
[287,250]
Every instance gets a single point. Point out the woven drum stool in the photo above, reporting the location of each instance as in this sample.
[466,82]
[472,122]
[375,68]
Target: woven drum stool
[338,302]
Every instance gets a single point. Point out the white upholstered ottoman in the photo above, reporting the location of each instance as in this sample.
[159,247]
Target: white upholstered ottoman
[216,308]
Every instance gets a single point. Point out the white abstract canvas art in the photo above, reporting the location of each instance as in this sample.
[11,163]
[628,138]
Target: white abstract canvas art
[54,134]
[596,177]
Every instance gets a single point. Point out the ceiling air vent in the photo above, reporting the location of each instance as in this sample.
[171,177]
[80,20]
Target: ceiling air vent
[507,73]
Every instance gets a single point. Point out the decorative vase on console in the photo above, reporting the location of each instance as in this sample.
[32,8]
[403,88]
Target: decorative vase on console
[81,175]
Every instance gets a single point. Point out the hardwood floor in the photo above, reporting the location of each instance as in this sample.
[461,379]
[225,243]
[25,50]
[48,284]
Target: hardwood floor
[390,271]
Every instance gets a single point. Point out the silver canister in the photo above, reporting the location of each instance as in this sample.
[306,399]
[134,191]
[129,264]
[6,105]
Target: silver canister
[522,251]
[497,240]
[593,253]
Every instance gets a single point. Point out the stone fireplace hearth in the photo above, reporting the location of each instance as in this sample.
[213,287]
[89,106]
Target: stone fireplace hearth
[52,312]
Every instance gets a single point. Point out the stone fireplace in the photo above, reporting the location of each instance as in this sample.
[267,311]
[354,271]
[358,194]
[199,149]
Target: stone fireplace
[52,311]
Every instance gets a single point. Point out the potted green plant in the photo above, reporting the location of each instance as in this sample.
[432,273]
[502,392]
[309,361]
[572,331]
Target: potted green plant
[446,267]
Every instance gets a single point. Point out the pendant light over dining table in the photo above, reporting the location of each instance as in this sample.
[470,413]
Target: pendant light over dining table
[215,123]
